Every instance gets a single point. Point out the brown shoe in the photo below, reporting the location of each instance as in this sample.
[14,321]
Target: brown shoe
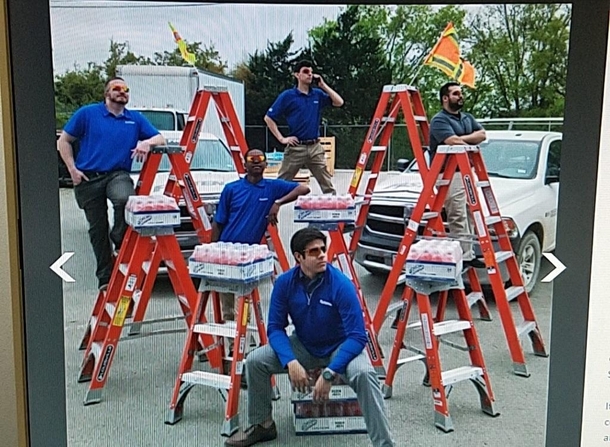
[252,435]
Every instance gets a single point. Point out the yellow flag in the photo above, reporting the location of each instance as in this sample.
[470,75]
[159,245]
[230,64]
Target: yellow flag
[189,57]
[446,56]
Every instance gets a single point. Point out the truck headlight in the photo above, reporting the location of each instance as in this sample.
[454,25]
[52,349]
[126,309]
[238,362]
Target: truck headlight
[509,226]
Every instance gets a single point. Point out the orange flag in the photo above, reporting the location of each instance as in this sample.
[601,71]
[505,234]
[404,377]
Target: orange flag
[446,56]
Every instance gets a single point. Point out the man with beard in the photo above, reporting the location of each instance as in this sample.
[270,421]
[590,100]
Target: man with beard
[328,333]
[110,136]
[450,126]
[302,106]
[245,209]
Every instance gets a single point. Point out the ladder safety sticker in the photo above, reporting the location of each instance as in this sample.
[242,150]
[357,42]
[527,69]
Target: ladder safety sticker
[121,311]
[370,346]
[204,218]
[196,130]
[187,157]
[172,177]
[470,192]
[491,200]
[190,185]
[244,317]
[105,361]
[412,225]
[373,132]
[426,329]
[438,403]
[242,344]
[436,394]
[131,283]
[480,224]
[356,177]
[239,367]
[362,159]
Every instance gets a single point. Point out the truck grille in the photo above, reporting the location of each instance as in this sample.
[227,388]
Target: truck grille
[393,224]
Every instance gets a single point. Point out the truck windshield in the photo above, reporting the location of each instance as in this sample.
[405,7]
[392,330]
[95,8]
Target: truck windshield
[210,155]
[161,120]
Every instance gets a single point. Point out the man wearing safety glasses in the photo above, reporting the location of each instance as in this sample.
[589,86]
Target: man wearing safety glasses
[110,136]
[245,209]
[302,106]
[328,333]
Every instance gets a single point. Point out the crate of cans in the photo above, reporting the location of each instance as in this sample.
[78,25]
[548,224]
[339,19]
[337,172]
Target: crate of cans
[434,260]
[154,211]
[231,262]
[325,208]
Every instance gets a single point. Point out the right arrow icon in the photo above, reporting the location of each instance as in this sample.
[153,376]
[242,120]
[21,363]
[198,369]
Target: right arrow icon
[559,267]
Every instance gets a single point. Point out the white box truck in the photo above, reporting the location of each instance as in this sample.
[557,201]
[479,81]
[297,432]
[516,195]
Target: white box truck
[158,91]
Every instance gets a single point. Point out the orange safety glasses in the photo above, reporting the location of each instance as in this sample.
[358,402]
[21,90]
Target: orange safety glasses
[120,88]
[255,158]
[315,252]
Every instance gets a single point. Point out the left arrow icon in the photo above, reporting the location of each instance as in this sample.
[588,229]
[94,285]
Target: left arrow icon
[56,266]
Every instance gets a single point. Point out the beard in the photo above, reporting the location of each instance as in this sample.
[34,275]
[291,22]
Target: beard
[456,106]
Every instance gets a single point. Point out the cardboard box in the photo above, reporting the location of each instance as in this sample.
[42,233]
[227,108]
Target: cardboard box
[242,273]
[347,215]
[433,271]
[329,425]
[153,219]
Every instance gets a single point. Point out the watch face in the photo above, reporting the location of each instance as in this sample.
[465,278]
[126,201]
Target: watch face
[327,375]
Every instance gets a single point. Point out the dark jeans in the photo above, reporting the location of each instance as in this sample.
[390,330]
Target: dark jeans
[92,196]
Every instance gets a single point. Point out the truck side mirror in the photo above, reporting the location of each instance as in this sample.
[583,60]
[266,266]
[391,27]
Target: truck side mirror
[401,164]
[552,176]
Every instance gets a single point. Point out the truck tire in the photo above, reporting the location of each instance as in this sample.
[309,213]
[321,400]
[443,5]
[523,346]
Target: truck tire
[529,257]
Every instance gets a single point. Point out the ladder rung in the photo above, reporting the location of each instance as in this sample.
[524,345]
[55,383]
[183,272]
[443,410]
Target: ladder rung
[460,374]
[207,379]
[429,215]
[513,292]
[415,324]
[492,220]
[387,119]
[235,148]
[526,327]
[420,118]
[123,267]
[502,256]
[378,148]
[483,184]
[228,329]
[442,183]
[450,326]
[410,359]
[96,349]
[473,297]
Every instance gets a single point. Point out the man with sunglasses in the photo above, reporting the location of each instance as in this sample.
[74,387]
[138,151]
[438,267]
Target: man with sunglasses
[328,333]
[109,137]
[301,107]
[245,209]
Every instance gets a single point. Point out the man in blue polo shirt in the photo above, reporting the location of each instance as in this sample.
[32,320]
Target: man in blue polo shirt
[328,333]
[110,136]
[450,126]
[301,107]
[245,209]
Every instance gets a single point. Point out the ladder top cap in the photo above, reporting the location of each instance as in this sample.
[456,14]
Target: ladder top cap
[399,88]
[167,148]
[457,148]
[215,88]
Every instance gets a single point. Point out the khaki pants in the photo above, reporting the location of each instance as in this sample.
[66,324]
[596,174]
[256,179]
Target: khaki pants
[229,311]
[310,157]
[459,220]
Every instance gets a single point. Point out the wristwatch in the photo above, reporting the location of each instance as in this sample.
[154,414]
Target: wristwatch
[328,375]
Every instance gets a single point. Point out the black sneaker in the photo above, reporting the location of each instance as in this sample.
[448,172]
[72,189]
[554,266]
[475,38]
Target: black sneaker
[475,263]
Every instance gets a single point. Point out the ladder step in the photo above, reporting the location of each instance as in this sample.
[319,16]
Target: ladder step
[205,378]
[387,119]
[473,297]
[492,220]
[429,215]
[123,267]
[502,256]
[420,118]
[483,184]
[450,326]
[228,329]
[378,148]
[442,182]
[235,149]
[460,374]
[110,309]
[525,328]
[183,300]
[413,358]
[513,292]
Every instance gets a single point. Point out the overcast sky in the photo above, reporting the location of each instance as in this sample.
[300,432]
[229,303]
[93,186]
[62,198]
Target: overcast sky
[81,30]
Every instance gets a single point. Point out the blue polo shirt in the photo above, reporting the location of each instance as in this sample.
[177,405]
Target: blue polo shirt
[302,111]
[243,208]
[444,125]
[106,140]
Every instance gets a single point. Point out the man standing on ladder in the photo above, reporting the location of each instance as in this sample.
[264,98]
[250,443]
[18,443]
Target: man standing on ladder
[329,333]
[245,209]
[450,126]
[302,106]
[110,137]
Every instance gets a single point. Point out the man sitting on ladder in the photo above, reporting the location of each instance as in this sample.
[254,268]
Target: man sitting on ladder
[246,207]
[328,333]
[452,127]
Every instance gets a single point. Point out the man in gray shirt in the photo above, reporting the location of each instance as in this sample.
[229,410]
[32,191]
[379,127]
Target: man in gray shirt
[452,127]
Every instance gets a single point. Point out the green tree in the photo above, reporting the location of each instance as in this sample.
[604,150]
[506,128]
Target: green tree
[75,88]
[120,54]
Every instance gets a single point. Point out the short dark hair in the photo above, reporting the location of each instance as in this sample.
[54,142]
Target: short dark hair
[304,237]
[444,91]
[113,78]
[302,64]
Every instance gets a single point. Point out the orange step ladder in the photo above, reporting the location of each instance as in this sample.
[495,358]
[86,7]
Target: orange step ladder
[467,158]
[441,381]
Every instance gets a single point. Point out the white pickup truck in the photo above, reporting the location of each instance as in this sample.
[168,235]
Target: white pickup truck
[524,171]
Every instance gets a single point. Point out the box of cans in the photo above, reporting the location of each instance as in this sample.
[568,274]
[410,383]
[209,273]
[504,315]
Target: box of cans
[325,208]
[434,261]
[155,211]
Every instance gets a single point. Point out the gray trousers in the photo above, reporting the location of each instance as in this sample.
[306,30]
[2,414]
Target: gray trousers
[92,197]
[459,219]
[263,363]
[310,157]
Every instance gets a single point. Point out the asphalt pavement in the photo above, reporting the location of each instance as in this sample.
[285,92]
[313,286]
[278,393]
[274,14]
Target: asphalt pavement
[136,396]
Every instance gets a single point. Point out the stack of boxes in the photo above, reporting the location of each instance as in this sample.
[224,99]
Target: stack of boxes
[341,414]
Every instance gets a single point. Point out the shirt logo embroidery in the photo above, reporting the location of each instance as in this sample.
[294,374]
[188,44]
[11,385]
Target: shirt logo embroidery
[326,303]
[263,199]
[129,122]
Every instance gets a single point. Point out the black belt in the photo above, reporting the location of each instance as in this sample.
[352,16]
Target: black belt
[308,142]
[94,174]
